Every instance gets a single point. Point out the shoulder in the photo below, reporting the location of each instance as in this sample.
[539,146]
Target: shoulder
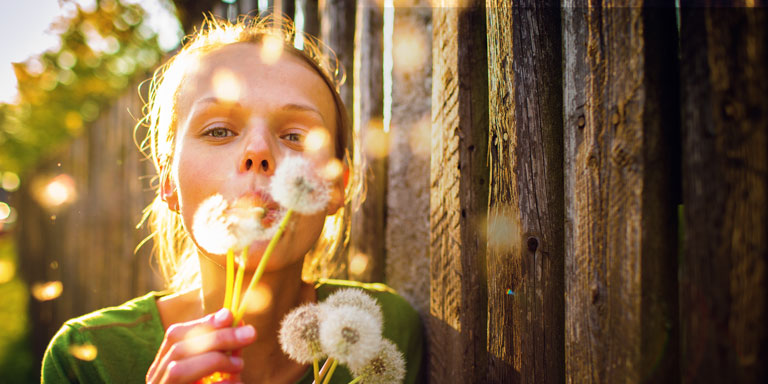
[402,323]
[105,344]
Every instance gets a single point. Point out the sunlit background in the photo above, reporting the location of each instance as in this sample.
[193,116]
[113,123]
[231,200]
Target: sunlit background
[62,63]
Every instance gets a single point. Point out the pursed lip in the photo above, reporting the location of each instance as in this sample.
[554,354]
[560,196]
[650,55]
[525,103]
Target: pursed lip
[264,200]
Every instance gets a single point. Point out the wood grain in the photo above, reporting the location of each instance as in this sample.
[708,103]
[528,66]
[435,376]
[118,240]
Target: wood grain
[458,199]
[723,284]
[525,251]
[620,111]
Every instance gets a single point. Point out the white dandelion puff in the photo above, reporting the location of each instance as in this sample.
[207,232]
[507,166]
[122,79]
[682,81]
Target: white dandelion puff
[387,367]
[219,226]
[300,334]
[211,226]
[350,335]
[245,222]
[296,186]
[356,298]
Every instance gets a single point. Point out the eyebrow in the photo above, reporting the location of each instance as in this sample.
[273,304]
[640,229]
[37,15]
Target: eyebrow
[290,107]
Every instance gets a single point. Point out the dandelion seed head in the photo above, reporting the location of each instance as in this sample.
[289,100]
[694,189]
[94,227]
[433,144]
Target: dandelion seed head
[211,227]
[349,334]
[245,222]
[356,298]
[386,367]
[299,334]
[296,186]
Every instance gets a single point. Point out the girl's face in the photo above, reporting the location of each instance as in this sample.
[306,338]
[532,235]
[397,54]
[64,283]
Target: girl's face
[238,118]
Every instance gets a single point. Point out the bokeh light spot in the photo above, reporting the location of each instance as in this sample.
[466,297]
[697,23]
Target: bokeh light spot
[85,352]
[56,192]
[358,263]
[332,169]
[226,85]
[420,137]
[259,300]
[503,233]
[271,48]
[376,141]
[409,52]
[73,122]
[10,181]
[7,271]
[317,139]
[47,291]
[5,210]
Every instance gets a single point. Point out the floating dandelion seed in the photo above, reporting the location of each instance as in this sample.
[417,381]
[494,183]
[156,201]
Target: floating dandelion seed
[297,187]
[356,298]
[388,366]
[47,291]
[226,85]
[350,335]
[300,334]
[85,352]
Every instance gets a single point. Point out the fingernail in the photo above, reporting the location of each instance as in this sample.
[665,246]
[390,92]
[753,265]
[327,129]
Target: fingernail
[236,361]
[245,333]
[221,315]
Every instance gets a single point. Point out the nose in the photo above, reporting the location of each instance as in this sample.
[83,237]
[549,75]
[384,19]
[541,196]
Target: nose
[258,155]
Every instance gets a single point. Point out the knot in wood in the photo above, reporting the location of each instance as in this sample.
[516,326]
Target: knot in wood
[619,155]
[595,293]
[581,121]
[615,118]
[533,244]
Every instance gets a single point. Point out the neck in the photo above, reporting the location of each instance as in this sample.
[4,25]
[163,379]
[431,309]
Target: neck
[276,294]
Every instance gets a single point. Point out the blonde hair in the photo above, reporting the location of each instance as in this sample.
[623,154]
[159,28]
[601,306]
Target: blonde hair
[173,249]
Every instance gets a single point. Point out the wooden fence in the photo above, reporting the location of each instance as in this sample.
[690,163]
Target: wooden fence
[590,205]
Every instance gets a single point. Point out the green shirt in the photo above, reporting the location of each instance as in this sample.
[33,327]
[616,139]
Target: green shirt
[127,337]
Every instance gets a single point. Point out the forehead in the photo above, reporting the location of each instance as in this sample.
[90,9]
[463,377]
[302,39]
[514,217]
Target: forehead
[236,72]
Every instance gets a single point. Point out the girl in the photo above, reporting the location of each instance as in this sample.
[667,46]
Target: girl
[223,114]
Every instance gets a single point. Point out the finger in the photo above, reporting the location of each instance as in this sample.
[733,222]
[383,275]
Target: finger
[196,367]
[181,331]
[226,339]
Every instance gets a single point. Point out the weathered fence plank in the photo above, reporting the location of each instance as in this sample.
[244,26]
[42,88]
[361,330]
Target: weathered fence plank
[723,282]
[525,243]
[367,252]
[407,239]
[620,126]
[458,196]
[337,31]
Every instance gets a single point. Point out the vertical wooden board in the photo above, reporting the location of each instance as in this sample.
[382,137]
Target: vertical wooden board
[337,31]
[311,16]
[407,237]
[723,299]
[619,220]
[458,197]
[367,235]
[525,258]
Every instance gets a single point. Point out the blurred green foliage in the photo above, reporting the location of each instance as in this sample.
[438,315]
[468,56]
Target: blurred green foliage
[16,360]
[101,52]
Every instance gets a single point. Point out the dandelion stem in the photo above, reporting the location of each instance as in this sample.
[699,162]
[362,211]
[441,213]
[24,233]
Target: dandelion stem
[315,370]
[262,264]
[324,369]
[330,371]
[230,278]
[356,379]
[238,284]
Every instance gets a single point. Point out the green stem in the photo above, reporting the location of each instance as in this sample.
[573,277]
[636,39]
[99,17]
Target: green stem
[262,264]
[315,369]
[230,278]
[330,371]
[356,379]
[238,284]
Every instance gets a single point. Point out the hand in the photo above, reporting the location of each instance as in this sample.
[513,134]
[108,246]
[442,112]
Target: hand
[198,348]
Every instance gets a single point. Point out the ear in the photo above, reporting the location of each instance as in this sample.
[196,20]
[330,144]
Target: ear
[337,192]
[169,195]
